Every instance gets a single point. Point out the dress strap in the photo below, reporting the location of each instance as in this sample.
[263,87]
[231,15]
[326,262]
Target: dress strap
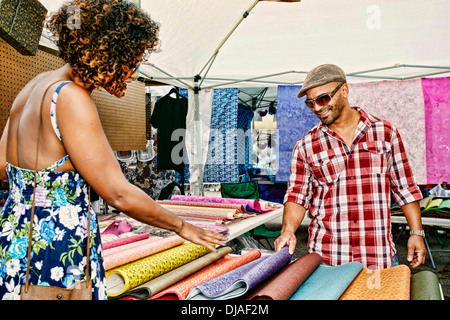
[56,164]
[53,109]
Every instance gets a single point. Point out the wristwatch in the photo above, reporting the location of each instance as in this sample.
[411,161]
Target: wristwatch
[417,233]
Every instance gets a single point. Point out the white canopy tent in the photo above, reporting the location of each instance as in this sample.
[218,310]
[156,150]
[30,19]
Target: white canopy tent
[246,43]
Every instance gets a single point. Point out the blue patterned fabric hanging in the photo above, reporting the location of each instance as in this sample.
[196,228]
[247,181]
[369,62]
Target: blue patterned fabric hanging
[222,160]
[294,120]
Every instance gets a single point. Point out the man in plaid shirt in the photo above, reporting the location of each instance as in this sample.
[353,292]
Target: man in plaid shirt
[343,171]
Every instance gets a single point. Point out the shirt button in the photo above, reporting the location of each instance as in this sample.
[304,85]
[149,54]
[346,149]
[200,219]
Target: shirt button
[352,178]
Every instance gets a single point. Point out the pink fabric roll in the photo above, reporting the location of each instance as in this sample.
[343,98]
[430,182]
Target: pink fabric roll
[253,204]
[236,206]
[123,241]
[138,250]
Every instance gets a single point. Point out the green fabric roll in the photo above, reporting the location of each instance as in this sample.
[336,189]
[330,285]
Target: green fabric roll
[425,286]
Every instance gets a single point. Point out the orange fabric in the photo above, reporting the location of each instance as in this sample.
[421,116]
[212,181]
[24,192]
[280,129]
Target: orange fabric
[385,284]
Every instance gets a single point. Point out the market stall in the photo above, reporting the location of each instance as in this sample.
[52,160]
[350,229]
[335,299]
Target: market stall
[395,56]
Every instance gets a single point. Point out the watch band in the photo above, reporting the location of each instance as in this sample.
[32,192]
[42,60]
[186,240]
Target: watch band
[417,233]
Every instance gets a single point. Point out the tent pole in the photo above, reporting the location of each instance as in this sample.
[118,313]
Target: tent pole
[198,138]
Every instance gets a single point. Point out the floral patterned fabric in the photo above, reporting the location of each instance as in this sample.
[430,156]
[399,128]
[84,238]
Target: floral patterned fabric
[59,238]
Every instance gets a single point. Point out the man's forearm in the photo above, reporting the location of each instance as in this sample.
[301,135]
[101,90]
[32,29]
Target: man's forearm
[292,216]
[413,215]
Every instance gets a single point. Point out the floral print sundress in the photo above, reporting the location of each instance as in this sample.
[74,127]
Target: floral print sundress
[59,240]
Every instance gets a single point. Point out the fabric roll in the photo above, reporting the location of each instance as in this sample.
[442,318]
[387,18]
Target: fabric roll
[384,284]
[120,242]
[137,250]
[252,204]
[203,211]
[328,282]
[236,206]
[425,286]
[131,275]
[181,290]
[238,282]
[152,287]
[286,282]
[221,229]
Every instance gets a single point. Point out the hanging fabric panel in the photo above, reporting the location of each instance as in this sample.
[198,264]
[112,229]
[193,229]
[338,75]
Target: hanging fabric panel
[294,120]
[436,94]
[400,103]
[222,160]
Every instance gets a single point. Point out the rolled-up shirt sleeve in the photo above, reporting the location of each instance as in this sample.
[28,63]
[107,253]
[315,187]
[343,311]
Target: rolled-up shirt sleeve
[403,185]
[299,189]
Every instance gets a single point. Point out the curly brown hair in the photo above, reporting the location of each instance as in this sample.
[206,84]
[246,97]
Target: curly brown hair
[102,40]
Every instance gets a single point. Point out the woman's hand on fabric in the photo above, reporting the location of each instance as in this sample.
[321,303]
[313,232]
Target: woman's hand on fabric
[201,236]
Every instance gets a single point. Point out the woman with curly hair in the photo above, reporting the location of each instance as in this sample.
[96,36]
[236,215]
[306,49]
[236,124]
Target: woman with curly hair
[102,43]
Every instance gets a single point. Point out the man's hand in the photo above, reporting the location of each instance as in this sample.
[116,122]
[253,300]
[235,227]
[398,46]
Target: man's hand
[416,251]
[286,238]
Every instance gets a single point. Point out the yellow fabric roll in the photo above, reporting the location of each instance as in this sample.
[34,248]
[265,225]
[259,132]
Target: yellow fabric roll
[131,275]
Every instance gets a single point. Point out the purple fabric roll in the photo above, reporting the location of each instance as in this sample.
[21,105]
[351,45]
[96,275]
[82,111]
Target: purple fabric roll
[239,281]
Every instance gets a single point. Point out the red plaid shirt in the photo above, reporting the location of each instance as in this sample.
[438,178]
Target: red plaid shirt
[347,191]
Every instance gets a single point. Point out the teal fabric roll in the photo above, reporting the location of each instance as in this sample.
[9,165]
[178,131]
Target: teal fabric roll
[328,282]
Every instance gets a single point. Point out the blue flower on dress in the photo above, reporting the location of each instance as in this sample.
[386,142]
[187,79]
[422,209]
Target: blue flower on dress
[48,231]
[60,198]
[18,248]
[69,280]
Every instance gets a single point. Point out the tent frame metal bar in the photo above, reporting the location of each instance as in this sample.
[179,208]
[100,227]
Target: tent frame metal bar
[210,61]
[166,73]
[358,74]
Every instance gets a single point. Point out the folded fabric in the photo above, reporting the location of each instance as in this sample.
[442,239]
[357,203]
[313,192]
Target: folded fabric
[286,282]
[180,290]
[118,227]
[239,281]
[131,275]
[152,287]
[328,282]
[384,284]
[122,241]
[437,207]
[243,190]
[119,256]
[425,286]
[252,204]
[438,204]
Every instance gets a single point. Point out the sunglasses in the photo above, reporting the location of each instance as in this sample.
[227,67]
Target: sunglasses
[324,99]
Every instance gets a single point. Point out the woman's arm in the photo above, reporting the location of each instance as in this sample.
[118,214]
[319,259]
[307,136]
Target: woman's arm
[92,156]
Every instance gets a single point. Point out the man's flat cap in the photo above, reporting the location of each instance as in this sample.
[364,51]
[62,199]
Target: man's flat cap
[321,75]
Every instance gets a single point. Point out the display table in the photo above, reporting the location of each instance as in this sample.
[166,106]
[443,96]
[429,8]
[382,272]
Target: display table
[238,228]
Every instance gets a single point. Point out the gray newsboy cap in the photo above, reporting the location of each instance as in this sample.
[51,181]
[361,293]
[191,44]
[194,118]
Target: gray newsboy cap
[321,75]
